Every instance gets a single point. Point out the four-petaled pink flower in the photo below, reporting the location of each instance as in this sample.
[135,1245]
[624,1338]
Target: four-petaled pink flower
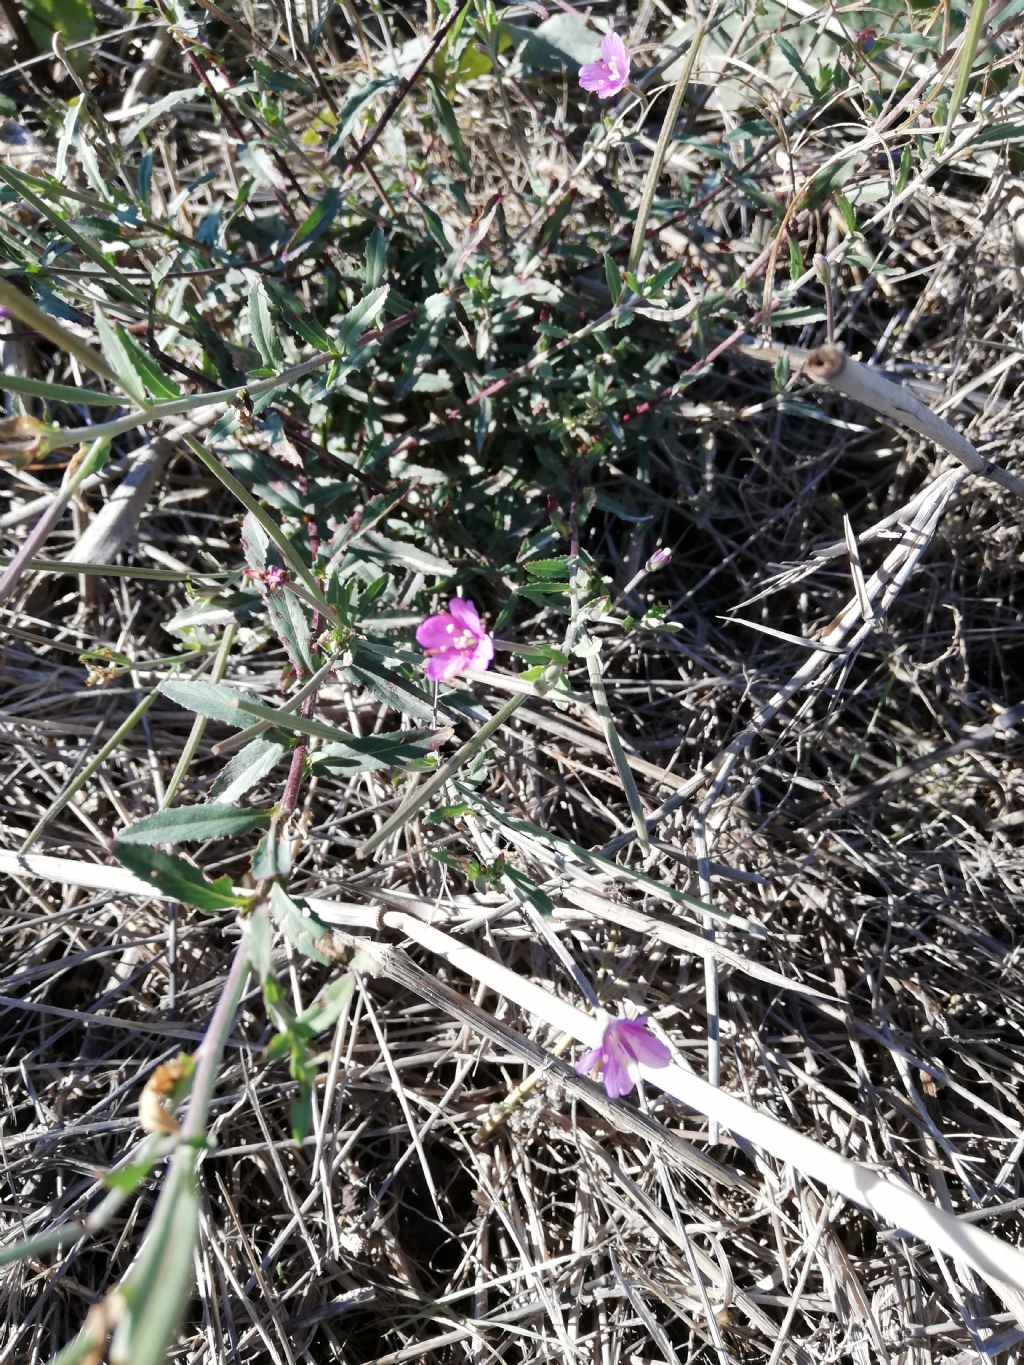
[454,640]
[625,1043]
[607,77]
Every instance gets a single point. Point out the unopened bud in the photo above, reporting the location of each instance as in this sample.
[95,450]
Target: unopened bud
[658,560]
[822,268]
[164,1084]
[24,439]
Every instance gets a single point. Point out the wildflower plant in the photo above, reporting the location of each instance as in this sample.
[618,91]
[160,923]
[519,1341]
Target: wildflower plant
[337,355]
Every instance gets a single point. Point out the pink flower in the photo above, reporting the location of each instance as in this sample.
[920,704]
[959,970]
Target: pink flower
[454,640]
[607,77]
[625,1043]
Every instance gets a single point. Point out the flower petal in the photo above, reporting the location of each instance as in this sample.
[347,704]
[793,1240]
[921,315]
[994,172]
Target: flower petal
[641,1043]
[594,75]
[613,50]
[436,631]
[465,614]
[617,1080]
[441,667]
[589,1061]
[483,654]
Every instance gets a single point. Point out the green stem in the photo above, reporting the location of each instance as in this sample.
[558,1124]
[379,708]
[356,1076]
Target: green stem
[173,407]
[220,664]
[636,246]
[294,559]
[95,459]
[20,186]
[972,37]
[148,1151]
[611,738]
[422,795]
[27,311]
[158,1287]
[68,794]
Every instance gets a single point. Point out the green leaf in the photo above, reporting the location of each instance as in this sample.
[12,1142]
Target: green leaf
[129,1178]
[290,621]
[846,209]
[563,41]
[796,260]
[157,110]
[119,360]
[158,1288]
[299,319]
[154,380]
[273,856]
[314,225]
[906,163]
[301,1113]
[292,721]
[255,543]
[793,57]
[449,125]
[72,19]
[1000,132]
[329,1005]
[246,769]
[537,897]
[60,393]
[377,546]
[613,277]
[390,688]
[215,701]
[443,813]
[376,258]
[360,318]
[350,111]
[67,137]
[178,879]
[472,63]
[537,592]
[192,824]
[259,940]
[297,924]
[376,753]
[548,568]
[262,328]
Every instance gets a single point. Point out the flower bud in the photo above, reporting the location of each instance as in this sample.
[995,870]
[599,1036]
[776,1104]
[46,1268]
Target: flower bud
[659,559]
[24,439]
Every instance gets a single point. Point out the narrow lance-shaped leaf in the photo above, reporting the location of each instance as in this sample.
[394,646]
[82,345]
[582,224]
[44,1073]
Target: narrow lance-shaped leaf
[119,360]
[314,225]
[362,316]
[178,879]
[298,925]
[215,701]
[246,769]
[192,824]
[262,328]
